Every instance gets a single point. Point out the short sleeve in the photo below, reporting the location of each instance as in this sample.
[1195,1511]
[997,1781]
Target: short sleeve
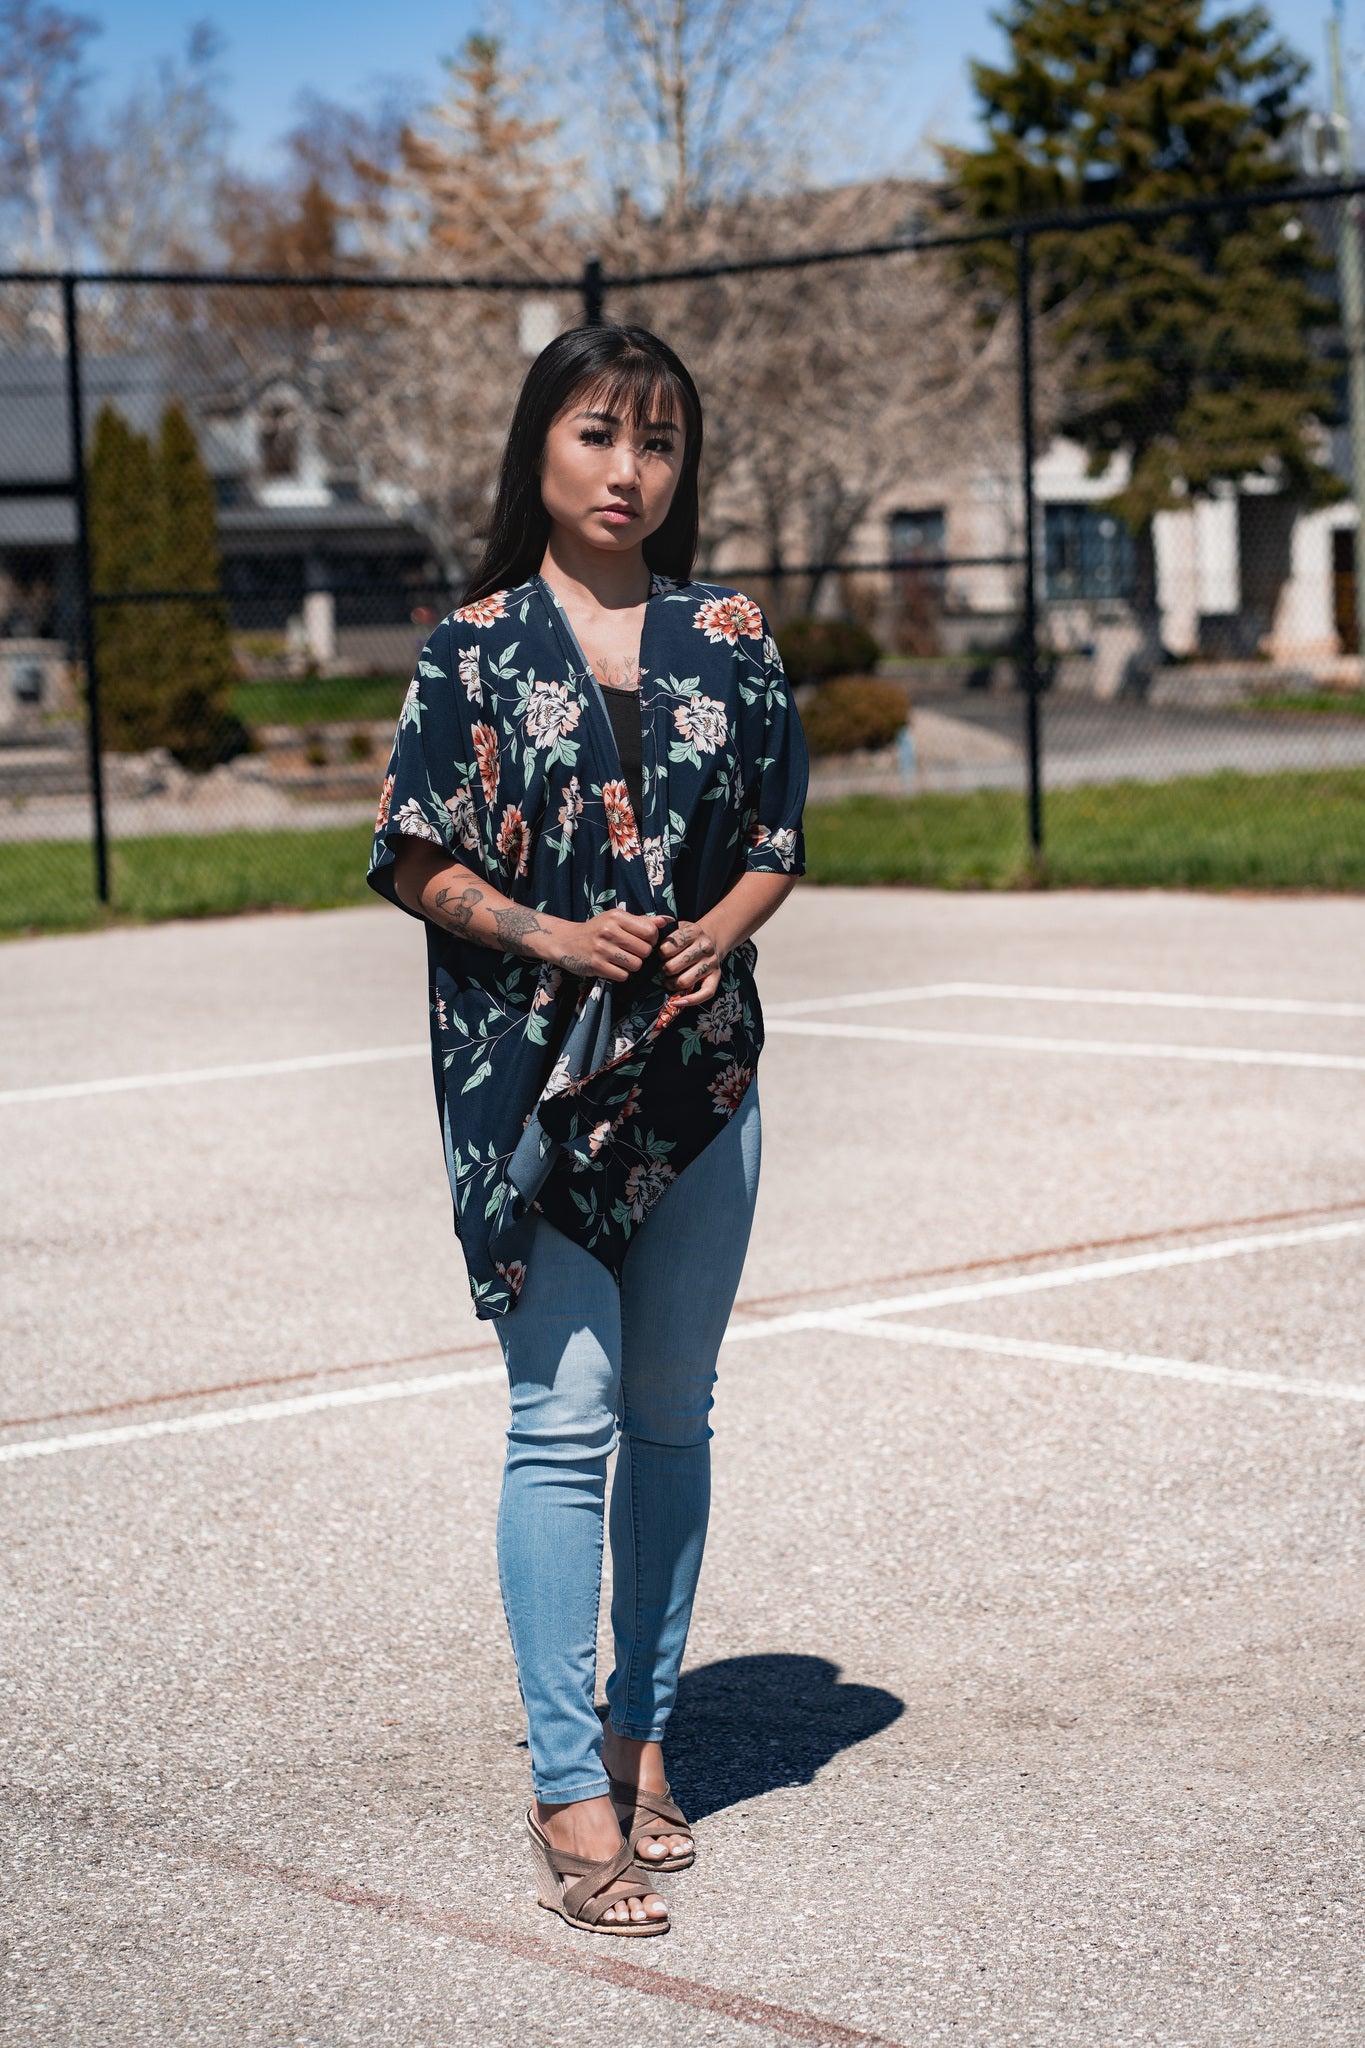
[777,774]
[424,795]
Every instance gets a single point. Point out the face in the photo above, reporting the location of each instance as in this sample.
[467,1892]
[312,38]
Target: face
[609,480]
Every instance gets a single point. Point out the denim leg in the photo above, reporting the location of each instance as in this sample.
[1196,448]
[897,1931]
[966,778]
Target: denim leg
[678,1285]
[562,1346]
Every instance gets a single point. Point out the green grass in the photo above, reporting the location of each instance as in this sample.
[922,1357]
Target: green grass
[319,700]
[1228,831]
[1348,703]
[1293,831]
[49,885]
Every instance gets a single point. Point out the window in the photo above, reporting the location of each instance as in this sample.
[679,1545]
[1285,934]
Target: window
[917,535]
[279,440]
[1088,552]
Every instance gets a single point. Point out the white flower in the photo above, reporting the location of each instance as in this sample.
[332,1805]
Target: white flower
[411,714]
[469,673]
[783,843]
[771,656]
[412,821]
[653,851]
[717,1022]
[644,1185]
[571,810]
[559,1078]
[550,713]
[702,721]
[464,822]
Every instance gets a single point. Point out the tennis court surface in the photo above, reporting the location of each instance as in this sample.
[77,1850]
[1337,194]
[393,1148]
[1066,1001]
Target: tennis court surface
[1024,1698]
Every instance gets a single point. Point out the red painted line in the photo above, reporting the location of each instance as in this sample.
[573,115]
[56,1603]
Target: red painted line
[751,1305]
[783,2020]
[1055,1251]
[278,1379]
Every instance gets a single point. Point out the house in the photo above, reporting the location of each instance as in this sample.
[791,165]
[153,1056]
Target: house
[307,559]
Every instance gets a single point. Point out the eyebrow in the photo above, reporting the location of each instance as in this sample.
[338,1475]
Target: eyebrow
[611,419]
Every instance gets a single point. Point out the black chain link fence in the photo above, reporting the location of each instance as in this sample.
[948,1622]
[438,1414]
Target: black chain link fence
[230,511]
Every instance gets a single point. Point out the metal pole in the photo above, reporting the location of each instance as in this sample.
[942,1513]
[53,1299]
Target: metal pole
[1028,652]
[81,494]
[593,290]
[1353,319]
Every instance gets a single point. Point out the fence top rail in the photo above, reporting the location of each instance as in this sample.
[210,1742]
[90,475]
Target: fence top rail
[1018,229]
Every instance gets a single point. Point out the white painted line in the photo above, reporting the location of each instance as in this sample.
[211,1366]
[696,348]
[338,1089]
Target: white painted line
[854,1318]
[1114,1049]
[255,1411]
[1029,992]
[1088,1355]
[1056,1276]
[249,1070]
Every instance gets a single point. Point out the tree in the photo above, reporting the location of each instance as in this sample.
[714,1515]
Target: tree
[166,669]
[123,556]
[196,668]
[1192,340]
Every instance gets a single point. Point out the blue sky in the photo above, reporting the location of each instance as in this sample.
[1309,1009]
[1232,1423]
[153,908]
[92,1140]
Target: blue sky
[343,48]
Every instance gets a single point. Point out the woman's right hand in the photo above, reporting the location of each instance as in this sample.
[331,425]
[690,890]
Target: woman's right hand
[609,947]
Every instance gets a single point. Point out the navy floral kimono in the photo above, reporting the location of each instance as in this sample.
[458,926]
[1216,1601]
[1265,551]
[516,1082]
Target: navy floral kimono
[583,1100]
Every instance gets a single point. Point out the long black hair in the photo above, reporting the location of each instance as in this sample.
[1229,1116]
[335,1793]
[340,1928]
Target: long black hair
[634,375]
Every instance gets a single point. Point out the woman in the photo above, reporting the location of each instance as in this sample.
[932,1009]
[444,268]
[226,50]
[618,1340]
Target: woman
[594,800]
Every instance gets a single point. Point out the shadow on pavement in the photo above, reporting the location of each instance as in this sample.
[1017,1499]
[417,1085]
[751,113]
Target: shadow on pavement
[749,1724]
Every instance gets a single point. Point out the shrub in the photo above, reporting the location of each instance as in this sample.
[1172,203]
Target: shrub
[814,650]
[855,711]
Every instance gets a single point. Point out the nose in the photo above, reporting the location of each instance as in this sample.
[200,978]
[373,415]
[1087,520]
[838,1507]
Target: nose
[624,469]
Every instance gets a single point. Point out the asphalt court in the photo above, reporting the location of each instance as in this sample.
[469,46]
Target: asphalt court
[1023,1699]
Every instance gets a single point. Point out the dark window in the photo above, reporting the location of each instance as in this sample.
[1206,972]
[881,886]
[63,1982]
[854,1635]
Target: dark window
[1088,552]
[917,535]
[279,440]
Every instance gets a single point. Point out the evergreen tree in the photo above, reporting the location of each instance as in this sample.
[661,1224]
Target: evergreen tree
[123,556]
[196,663]
[166,670]
[1193,338]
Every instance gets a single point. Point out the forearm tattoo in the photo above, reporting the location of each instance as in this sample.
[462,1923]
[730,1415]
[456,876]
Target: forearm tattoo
[512,926]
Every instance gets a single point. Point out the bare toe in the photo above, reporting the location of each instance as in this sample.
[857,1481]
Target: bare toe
[655,1909]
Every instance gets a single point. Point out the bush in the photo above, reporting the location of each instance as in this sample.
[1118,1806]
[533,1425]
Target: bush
[855,711]
[814,650]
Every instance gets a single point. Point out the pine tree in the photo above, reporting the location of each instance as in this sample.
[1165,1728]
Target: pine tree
[1193,338]
[124,527]
[197,667]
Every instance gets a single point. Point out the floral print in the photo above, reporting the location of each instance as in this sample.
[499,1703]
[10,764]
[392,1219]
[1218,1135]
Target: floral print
[413,822]
[725,618]
[486,754]
[550,713]
[486,611]
[702,723]
[514,840]
[576,1100]
[621,830]
[728,1089]
[468,669]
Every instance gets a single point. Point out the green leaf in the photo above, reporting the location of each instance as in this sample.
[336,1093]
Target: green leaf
[478,1077]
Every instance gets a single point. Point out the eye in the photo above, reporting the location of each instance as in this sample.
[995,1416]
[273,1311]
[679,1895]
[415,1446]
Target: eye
[661,445]
[595,437]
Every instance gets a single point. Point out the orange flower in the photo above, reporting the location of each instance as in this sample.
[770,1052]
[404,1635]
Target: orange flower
[514,1275]
[625,840]
[486,754]
[514,839]
[385,799]
[725,618]
[727,1090]
[483,611]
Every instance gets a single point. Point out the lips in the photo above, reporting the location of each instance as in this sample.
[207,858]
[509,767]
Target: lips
[618,512]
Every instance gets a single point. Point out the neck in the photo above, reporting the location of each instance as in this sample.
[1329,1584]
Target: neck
[614,582]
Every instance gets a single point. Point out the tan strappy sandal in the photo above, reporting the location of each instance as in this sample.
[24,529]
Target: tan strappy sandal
[649,1816]
[576,1889]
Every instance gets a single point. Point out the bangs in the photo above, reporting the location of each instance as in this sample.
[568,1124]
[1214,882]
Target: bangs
[641,393]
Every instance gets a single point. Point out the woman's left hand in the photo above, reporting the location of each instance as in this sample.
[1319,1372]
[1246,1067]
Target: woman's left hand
[691,963]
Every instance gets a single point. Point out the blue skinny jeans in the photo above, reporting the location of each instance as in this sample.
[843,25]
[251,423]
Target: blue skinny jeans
[593,1366]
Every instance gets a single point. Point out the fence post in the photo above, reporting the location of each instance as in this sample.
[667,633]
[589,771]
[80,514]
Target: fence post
[1028,652]
[81,496]
[593,289]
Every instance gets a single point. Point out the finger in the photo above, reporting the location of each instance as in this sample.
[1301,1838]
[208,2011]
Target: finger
[640,925]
